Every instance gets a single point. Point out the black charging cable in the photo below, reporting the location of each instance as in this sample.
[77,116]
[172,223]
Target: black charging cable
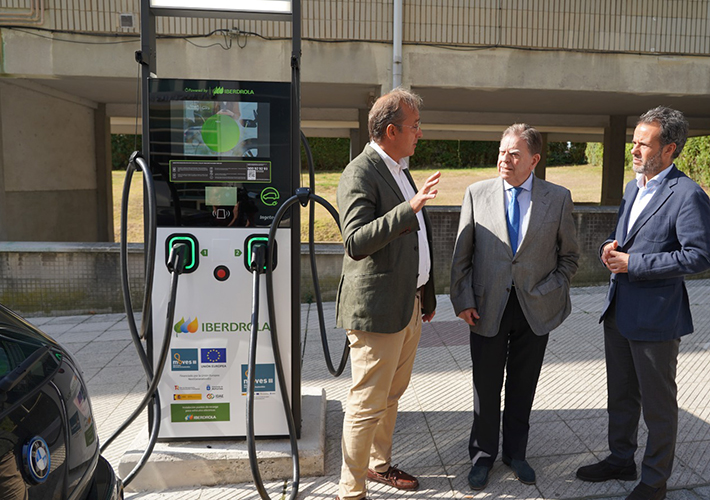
[304,195]
[176,266]
[258,266]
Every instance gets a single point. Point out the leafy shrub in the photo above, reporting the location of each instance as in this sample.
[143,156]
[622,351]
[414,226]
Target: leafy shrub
[695,159]
[566,153]
[122,147]
[330,154]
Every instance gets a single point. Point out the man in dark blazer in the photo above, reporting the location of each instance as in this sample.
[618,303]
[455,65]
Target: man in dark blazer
[386,289]
[515,254]
[662,234]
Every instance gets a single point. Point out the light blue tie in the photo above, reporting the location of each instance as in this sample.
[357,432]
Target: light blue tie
[514,218]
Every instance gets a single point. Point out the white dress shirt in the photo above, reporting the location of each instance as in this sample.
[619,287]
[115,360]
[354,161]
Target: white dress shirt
[644,195]
[524,202]
[397,170]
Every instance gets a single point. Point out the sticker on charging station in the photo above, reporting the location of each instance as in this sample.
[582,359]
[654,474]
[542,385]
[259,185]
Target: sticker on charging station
[220,171]
[199,412]
[264,379]
[213,356]
[184,360]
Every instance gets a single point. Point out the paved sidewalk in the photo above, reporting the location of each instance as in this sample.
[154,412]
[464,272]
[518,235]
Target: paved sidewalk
[568,426]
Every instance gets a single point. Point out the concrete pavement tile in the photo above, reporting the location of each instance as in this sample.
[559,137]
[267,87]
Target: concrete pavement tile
[114,334]
[333,456]
[702,492]
[553,438]
[683,474]
[452,446]
[410,422]
[89,359]
[683,495]
[40,320]
[106,318]
[74,336]
[415,450]
[538,416]
[592,432]
[75,320]
[696,456]
[117,376]
[55,330]
[694,425]
[449,421]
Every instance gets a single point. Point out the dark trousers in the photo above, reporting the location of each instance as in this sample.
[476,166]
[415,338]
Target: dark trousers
[641,375]
[518,352]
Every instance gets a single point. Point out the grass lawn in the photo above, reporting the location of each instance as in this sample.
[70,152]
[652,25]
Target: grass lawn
[584,181]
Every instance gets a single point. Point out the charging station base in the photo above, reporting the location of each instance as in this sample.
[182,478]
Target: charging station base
[179,464]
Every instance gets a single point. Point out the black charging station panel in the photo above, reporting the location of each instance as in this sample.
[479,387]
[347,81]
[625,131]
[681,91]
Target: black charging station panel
[220,151]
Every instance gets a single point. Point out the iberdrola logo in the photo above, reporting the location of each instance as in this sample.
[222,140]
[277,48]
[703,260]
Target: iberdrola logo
[183,326]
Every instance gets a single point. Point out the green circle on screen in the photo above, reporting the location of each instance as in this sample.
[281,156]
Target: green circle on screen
[220,133]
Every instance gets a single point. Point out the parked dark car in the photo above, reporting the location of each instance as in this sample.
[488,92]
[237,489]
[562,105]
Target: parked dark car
[49,448]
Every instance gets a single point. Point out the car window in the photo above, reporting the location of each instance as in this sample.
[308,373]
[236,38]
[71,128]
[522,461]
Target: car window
[12,353]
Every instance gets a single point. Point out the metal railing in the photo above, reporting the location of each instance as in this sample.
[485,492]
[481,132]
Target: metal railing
[631,26]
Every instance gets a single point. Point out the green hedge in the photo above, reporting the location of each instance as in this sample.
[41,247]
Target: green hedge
[122,146]
[695,159]
[332,154]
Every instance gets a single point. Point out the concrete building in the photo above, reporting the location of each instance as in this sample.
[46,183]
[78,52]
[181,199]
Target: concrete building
[577,70]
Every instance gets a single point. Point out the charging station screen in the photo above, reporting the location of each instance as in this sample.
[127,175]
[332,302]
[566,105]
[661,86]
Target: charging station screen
[224,128]
[220,151]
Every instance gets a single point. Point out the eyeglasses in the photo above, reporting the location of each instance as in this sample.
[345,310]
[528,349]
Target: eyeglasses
[416,127]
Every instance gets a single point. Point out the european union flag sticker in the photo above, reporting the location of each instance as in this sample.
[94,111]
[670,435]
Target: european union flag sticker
[214,355]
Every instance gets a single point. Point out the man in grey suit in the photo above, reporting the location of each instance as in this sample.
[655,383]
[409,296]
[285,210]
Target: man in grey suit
[515,254]
[662,234]
[386,288]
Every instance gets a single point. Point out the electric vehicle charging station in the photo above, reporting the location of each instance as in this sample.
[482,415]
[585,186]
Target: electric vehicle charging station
[220,163]
[223,155]
[220,155]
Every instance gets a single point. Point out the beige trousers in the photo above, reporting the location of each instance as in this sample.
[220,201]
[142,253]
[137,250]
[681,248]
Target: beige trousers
[381,365]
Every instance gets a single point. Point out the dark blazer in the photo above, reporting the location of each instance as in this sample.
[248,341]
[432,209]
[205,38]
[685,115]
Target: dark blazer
[670,239]
[484,268]
[381,262]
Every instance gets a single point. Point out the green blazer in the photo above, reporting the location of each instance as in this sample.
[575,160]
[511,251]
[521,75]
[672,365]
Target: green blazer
[379,279]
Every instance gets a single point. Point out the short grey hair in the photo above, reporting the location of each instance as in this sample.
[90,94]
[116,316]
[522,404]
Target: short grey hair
[674,126]
[388,110]
[532,137]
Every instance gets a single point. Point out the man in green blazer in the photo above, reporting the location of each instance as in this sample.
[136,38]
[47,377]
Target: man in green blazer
[386,289]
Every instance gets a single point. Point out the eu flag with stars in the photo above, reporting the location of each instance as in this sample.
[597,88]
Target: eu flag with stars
[214,355]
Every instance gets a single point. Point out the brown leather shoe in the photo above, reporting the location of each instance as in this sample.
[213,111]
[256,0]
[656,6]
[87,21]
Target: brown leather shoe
[394,477]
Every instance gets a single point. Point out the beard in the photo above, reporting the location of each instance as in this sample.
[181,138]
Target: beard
[650,167]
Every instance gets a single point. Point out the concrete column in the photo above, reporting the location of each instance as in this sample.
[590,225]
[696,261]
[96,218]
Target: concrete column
[541,166]
[613,164]
[3,205]
[359,137]
[104,189]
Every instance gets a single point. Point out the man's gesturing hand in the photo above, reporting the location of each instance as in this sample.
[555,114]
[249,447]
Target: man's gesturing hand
[426,193]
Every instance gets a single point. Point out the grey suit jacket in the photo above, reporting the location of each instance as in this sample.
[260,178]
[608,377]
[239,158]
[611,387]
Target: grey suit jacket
[379,279]
[670,239]
[484,268]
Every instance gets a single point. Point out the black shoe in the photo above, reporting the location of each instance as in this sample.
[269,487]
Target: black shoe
[522,470]
[646,492]
[478,477]
[604,471]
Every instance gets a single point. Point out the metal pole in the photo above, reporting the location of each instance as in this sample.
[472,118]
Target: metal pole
[397,44]
[295,215]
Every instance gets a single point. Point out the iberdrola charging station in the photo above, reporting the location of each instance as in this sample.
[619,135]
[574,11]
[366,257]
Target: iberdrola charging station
[220,164]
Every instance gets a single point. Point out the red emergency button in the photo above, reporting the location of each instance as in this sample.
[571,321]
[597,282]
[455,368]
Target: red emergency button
[221,273]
